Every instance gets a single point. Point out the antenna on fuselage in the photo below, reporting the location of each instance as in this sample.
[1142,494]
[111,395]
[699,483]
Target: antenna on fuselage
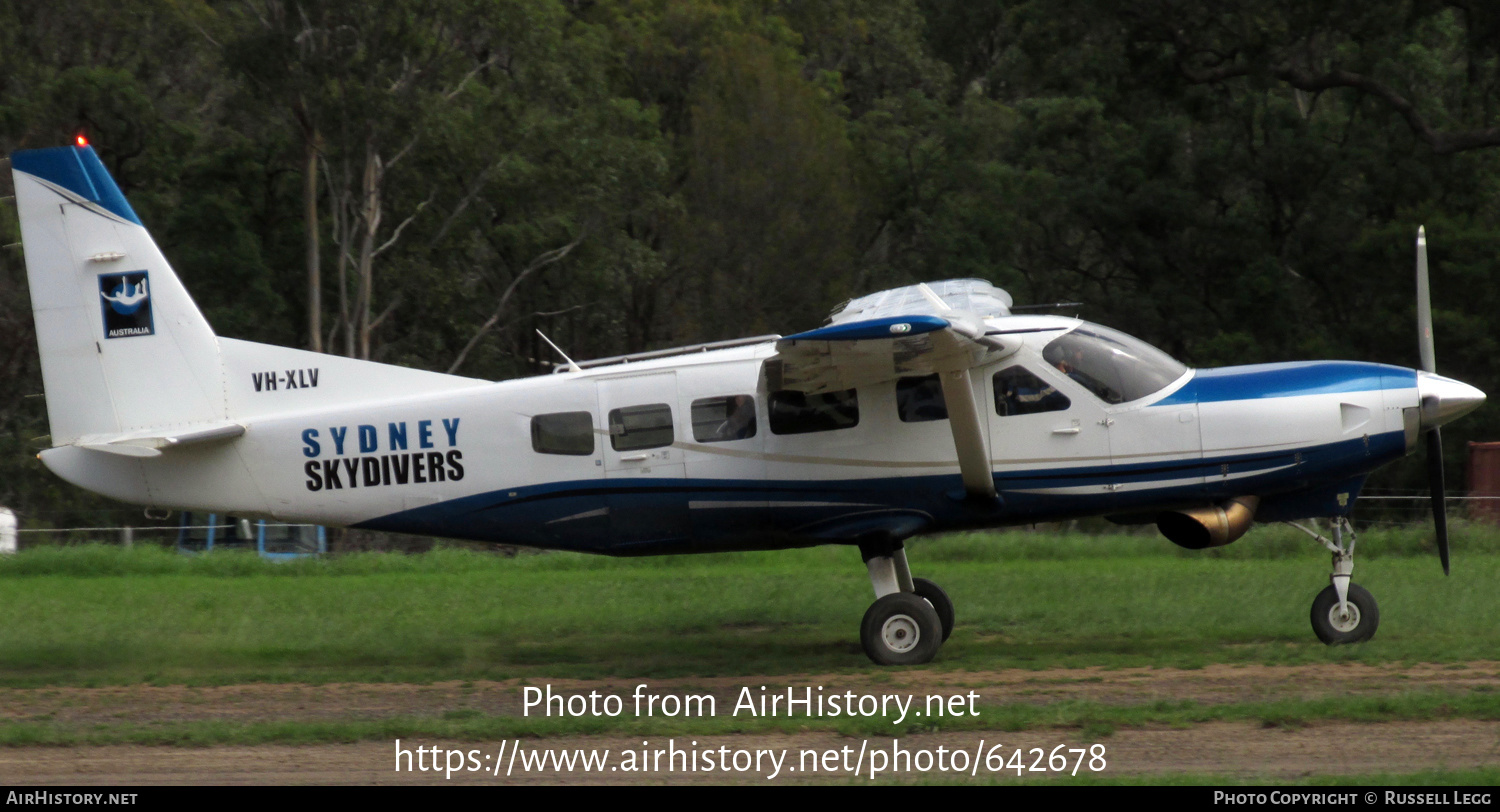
[1053,306]
[572,367]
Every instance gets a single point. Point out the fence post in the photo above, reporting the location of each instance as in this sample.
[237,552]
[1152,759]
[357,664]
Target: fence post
[127,536]
[7,531]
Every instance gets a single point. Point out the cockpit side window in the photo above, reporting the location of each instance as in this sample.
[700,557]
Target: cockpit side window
[1018,391]
[1114,366]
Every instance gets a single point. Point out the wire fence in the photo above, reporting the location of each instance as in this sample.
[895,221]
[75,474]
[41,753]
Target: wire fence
[125,529]
[123,526]
[1385,508]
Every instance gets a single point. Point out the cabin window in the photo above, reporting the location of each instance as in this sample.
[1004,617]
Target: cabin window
[1115,367]
[563,433]
[919,400]
[794,412]
[635,427]
[720,420]
[1017,391]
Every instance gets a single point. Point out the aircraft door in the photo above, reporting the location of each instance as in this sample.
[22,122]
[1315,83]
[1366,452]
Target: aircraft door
[642,469]
[1049,441]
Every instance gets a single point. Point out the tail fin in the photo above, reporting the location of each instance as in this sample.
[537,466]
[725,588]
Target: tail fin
[123,346]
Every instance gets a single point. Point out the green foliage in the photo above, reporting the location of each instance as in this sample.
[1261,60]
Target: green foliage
[1208,177]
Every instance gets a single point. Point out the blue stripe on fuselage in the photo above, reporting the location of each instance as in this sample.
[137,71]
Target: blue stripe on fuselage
[565,515]
[1258,381]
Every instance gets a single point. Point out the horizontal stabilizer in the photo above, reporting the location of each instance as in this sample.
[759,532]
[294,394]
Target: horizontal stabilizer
[152,443]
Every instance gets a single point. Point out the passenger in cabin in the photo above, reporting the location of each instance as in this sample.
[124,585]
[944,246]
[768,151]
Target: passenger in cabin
[739,421]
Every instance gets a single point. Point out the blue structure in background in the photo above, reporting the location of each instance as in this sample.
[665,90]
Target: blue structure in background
[202,532]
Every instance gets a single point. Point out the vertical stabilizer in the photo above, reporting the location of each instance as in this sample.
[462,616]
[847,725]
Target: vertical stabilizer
[123,346]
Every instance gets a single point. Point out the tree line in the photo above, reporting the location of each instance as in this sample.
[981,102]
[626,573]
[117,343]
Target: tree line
[425,182]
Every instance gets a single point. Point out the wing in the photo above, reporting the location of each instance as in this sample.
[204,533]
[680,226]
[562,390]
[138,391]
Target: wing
[868,344]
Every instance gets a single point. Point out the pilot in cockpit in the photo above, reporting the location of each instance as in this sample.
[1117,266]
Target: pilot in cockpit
[1069,362]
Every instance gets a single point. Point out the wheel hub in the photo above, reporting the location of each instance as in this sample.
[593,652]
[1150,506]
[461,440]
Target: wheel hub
[900,633]
[1346,621]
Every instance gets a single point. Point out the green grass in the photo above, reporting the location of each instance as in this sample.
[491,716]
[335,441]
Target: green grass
[103,615]
[1267,542]
[1093,722]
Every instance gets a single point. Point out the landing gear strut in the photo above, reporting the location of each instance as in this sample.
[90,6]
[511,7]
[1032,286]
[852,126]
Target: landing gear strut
[910,618]
[1344,612]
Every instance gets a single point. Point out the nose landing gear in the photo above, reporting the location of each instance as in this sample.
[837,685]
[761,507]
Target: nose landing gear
[1344,612]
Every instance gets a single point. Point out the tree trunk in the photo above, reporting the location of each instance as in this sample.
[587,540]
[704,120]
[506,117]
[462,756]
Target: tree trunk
[314,269]
[370,217]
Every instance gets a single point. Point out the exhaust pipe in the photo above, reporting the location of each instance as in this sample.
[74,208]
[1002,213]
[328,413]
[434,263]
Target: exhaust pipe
[1213,526]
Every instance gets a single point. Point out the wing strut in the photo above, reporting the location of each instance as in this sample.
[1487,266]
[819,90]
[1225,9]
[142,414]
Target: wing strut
[968,434]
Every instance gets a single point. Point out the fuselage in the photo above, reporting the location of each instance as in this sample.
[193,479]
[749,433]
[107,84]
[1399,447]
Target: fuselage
[663,456]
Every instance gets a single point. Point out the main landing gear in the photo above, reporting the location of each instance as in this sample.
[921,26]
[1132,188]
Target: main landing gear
[1344,612]
[910,618]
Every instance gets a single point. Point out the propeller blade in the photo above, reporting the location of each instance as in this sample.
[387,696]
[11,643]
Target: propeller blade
[1434,437]
[1424,306]
[1439,504]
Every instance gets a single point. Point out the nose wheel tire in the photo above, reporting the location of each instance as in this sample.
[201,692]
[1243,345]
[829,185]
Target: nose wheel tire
[941,603]
[1355,625]
[901,629]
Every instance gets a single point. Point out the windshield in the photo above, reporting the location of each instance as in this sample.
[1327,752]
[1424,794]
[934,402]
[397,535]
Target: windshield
[1114,366]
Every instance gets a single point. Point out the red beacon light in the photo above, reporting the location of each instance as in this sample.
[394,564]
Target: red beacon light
[81,140]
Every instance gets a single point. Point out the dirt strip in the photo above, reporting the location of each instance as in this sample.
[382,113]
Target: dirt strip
[1235,750]
[1130,686]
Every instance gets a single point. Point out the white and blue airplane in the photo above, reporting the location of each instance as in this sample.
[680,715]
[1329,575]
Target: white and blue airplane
[916,410]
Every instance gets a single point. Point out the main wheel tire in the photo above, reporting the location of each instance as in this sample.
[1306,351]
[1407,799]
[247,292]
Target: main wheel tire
[941,603]
[901,629]
[1336,629]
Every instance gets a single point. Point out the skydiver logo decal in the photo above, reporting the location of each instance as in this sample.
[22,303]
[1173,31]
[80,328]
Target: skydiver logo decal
[126,304]
[354,463]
